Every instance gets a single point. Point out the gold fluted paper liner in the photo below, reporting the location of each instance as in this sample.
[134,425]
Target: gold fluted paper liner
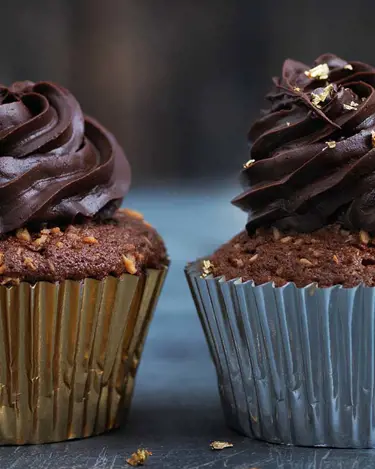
[69,353]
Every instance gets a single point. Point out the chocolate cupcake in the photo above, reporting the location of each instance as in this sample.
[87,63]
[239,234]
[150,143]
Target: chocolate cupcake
[288,306]
[79,277]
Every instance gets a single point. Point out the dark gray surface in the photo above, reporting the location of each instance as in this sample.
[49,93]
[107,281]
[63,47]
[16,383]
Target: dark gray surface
[176,410]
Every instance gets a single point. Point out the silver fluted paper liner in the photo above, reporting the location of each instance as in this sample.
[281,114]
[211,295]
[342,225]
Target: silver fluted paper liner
[69,352]
[295,365]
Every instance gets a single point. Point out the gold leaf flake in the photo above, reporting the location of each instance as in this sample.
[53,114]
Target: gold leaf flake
[139,457]
[23,234]
[297,89]
[348,67]
[331,144]
[373,138]
[248,164]
[320,72]
[349,107]
[364,237]
[206,268]
[317,98]
[219,445]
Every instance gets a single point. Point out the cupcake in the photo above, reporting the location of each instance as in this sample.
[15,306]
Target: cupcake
[288,305]
[79,277]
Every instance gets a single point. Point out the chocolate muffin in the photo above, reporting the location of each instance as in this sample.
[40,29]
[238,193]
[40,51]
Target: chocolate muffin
[79,277]
[288,305]
[312,169]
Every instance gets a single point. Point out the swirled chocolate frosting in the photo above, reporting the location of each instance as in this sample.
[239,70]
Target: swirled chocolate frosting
[56,164]
[312,155]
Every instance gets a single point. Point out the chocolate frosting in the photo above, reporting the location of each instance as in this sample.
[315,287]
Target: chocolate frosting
[56,165]
[314,149]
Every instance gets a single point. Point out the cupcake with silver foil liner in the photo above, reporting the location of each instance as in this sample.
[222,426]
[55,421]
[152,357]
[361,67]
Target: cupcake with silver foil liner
[79,277]
[288,306]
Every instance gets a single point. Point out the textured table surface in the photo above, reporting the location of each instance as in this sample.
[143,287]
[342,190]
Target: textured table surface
[176,410]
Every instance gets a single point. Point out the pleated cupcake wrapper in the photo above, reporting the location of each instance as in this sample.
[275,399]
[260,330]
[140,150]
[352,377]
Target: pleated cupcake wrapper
[69,353]
[294,365]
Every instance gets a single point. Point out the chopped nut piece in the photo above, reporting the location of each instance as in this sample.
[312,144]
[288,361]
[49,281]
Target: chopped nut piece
[305,261]
[286,239]
[55,230]
[237,246]
[146,241]
[139,457]
[298,242]
[129,265]
[331,144]
[276,234]
[3,268]
[238,262]
[218,445]
[364,237]
[45,231]
[354,104]
[316,253]
[320,72]
[373,138]
[90,240]
[23,233]
[248,164]
[73,236]
[348,67]
[132,213]
[344,232]
[297,89]
[40,241]
[20,251]
[51,266]
[288,124]
[279,271]
[254,258]
[29,263]
[59,244]
[335,259]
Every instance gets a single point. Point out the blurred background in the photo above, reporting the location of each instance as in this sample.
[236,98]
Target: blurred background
[178,82]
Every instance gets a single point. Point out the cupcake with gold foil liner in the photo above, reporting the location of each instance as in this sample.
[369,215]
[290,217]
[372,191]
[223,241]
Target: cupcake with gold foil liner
[69,353]
[79,279]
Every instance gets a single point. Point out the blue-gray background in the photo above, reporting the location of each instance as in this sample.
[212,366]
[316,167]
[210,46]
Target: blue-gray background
[178,82]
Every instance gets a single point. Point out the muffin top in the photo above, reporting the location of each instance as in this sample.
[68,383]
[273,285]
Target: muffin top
[95,249]
[56,164]
[328,256]
[309,186]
